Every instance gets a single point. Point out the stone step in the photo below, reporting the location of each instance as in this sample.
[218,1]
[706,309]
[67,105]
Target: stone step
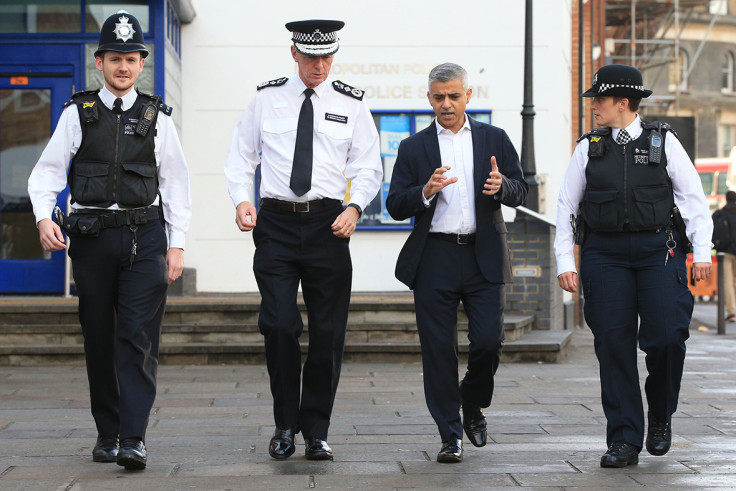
[545,346]
[387,331]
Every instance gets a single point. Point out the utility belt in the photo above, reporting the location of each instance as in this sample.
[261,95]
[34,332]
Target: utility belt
[296,206]
[87,222]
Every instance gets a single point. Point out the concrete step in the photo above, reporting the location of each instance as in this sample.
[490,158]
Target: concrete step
[386,331]
[536,346]
[223,329]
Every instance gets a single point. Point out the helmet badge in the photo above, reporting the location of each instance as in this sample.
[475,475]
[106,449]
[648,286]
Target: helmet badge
[123,29]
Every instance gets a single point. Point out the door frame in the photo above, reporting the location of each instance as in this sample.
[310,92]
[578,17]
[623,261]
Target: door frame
[38,275]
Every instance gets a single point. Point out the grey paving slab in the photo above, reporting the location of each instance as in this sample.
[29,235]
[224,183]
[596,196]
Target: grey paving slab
[210,427]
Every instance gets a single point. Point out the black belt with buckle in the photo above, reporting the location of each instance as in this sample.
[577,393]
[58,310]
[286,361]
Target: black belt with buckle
[296,206]
[462,239]
[118,218]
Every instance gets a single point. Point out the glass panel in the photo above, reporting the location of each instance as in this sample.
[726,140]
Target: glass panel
[95,80]
[25,126]
[707,180]
[40,16]
[99,10]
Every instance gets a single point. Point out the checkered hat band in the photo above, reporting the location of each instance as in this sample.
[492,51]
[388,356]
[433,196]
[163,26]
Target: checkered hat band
[314,37]
[613,86]
[317,49]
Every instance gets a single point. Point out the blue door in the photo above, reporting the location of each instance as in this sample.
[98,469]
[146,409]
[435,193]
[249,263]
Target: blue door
[30,107]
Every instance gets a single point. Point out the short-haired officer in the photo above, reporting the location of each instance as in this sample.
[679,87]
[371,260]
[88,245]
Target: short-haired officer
[310,135]
[624,181]
[129,185]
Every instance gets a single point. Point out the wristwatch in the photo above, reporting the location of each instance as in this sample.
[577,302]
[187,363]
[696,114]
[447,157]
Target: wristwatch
[353,205]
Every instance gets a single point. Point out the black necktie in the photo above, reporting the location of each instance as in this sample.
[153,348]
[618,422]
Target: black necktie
[623,137]
[117,106]
[301,171]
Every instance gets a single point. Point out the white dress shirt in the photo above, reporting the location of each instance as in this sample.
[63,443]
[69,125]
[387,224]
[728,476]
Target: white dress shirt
[345,146]
[455,211]
[688,194]
[49,176]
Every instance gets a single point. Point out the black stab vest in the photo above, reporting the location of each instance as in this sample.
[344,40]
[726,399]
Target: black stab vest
[624,192]
[113,164]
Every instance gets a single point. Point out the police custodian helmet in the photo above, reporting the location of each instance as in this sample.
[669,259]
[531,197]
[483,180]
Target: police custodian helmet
[121,32]
[618,80]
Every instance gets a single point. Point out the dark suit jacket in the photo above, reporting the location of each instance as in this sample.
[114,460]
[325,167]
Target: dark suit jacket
[418,157]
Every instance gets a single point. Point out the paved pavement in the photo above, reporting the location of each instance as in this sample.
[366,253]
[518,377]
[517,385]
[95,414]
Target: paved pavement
[211,425]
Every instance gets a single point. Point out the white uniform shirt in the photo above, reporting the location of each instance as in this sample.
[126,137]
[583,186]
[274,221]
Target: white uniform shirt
[345,145]
[455,211]
[688,193]
[49,176]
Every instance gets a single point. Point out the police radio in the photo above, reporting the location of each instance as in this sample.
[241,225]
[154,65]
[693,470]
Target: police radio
[146,119]
[655,146]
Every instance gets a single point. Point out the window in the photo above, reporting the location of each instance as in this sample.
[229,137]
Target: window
[727,72]
[678,72]
[394,126]
[726,139]
[97,11]
[17,16]
[65,16]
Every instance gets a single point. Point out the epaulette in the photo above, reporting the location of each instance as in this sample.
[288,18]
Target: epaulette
[602,131]
[167,110]
[348,90]
[77,95]
[656,125]
[273,83]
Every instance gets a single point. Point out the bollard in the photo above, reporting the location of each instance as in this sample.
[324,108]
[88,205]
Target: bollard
[720,257]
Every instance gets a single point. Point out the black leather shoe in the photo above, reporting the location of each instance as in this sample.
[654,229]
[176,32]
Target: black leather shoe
[620,454]
[132,454]
[317,449]
[106,449]
[282,444]
[451,451]
[659,435]
[474,423]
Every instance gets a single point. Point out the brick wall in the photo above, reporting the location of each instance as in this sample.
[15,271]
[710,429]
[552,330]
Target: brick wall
[531,249]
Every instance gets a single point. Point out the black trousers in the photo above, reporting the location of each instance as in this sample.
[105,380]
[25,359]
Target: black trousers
[632,297]
[448,274]
[121,307]
[293,248]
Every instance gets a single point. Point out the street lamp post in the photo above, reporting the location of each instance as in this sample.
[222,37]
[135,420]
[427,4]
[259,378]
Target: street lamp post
[528,163]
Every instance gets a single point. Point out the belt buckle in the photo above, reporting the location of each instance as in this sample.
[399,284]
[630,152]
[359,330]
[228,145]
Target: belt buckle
[463,239]
[301,207]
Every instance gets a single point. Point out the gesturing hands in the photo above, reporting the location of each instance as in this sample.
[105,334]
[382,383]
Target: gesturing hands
[437,182]
[495,181]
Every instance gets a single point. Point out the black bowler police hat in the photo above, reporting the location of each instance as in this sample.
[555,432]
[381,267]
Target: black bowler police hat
[618,80]
[121,32]
[315,37]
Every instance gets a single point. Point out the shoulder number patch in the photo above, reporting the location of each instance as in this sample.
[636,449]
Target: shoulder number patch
[273,83]
[344,88]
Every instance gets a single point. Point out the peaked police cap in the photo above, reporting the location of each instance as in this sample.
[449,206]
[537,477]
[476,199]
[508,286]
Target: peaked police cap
[618,80]
[315,37]
[121,32]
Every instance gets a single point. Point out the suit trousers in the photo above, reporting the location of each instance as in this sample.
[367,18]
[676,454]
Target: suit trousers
[293,248]
[449,274]
[121,306]
[632,297]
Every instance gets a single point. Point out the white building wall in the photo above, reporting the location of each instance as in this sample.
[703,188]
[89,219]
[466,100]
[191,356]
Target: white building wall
[387,48]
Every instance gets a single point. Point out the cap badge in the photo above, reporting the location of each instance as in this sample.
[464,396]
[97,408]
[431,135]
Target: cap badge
[317,35]
[123,29]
